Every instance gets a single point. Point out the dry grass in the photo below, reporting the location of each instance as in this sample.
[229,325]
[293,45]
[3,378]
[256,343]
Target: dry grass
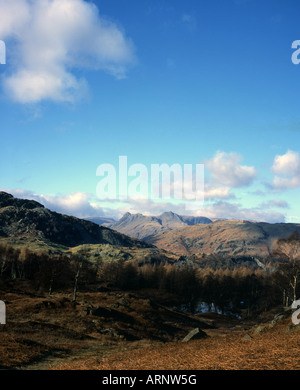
[41,331]
[272,350]
[60,335]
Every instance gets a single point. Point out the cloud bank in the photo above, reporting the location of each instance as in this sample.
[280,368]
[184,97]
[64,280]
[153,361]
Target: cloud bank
[226,173]
[82,205]
[50,40]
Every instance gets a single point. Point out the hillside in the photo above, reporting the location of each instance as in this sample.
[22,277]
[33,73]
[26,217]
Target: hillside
[120,330]
[226,237]
[30,221]
[143,227]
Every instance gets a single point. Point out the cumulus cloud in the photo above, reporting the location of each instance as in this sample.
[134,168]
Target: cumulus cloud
[76,204]
[286,169]
[82,205]
[227,171]
[50,39]
[221,174]
[217,193]
[215,179]
[224,173]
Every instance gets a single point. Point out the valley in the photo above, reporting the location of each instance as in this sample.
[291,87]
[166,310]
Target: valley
[83,296]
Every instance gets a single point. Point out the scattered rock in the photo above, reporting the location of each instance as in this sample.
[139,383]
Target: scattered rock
[247,337]
[276,319]
[88,310]
[259,329]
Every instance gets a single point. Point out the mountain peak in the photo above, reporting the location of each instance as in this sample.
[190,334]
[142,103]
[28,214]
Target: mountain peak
[168,214]
[143,227]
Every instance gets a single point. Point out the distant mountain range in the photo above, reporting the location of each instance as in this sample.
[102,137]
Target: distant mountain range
[29,220]
[144,227]
[226,237]
[184,235]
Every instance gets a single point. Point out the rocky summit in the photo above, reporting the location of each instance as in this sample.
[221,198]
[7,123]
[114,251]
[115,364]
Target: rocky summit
[143,227]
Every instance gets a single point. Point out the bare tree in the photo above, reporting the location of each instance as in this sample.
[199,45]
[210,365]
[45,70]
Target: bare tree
[288,274]
[84,272]
[77,276]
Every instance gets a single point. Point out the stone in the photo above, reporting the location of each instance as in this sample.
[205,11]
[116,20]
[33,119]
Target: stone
[276,319]
[259,329]
[191,334]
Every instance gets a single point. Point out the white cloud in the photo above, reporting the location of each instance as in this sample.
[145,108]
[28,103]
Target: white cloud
[76,204]
[52,38]
[217,193]
[223,173]
[226,170]
[82,205]
[227,210]
[286,169]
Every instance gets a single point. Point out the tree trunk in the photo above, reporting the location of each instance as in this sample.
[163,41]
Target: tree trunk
[50,287]
[76,282]
[293,284]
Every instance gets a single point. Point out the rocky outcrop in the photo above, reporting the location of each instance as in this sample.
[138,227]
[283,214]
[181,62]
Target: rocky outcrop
[30,219]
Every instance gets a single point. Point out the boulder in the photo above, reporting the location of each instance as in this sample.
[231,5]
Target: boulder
[259,329]
[276,319]
[194,334]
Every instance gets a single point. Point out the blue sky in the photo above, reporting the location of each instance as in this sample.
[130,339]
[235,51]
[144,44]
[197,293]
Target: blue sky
[170,81]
